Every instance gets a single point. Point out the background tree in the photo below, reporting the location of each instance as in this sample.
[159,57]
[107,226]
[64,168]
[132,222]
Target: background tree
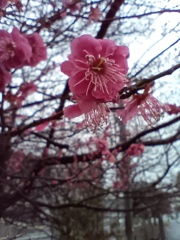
[54,169]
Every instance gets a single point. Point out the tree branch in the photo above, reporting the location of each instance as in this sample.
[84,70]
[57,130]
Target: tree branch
[128,91]
[109,18]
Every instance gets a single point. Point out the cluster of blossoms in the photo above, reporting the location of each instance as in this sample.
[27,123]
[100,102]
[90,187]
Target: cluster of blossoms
[102,147]
[18,50]
[97,72]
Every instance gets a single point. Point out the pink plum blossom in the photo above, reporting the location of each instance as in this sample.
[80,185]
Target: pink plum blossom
[145,104]
[18,50]
[72,5]
[96,70]
[5,78]
[14,49]
[39,52]
[135,150]
[95,14]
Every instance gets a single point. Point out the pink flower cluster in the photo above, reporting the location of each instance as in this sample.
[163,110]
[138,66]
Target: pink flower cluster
[102,146]
[97,72]
[18,50]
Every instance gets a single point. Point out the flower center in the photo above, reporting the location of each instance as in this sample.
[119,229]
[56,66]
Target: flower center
[101,72]
[10,47]
[98,65]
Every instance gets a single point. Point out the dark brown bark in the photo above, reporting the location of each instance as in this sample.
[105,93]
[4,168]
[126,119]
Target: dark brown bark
[109,18]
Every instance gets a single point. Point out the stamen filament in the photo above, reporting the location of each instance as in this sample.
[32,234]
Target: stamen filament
[100,72]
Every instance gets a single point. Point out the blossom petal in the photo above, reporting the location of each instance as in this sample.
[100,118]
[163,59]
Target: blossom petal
[76,85]
[86,105]
[67,68]
[72,111]
[123,50]
[129,112]
[87,43]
